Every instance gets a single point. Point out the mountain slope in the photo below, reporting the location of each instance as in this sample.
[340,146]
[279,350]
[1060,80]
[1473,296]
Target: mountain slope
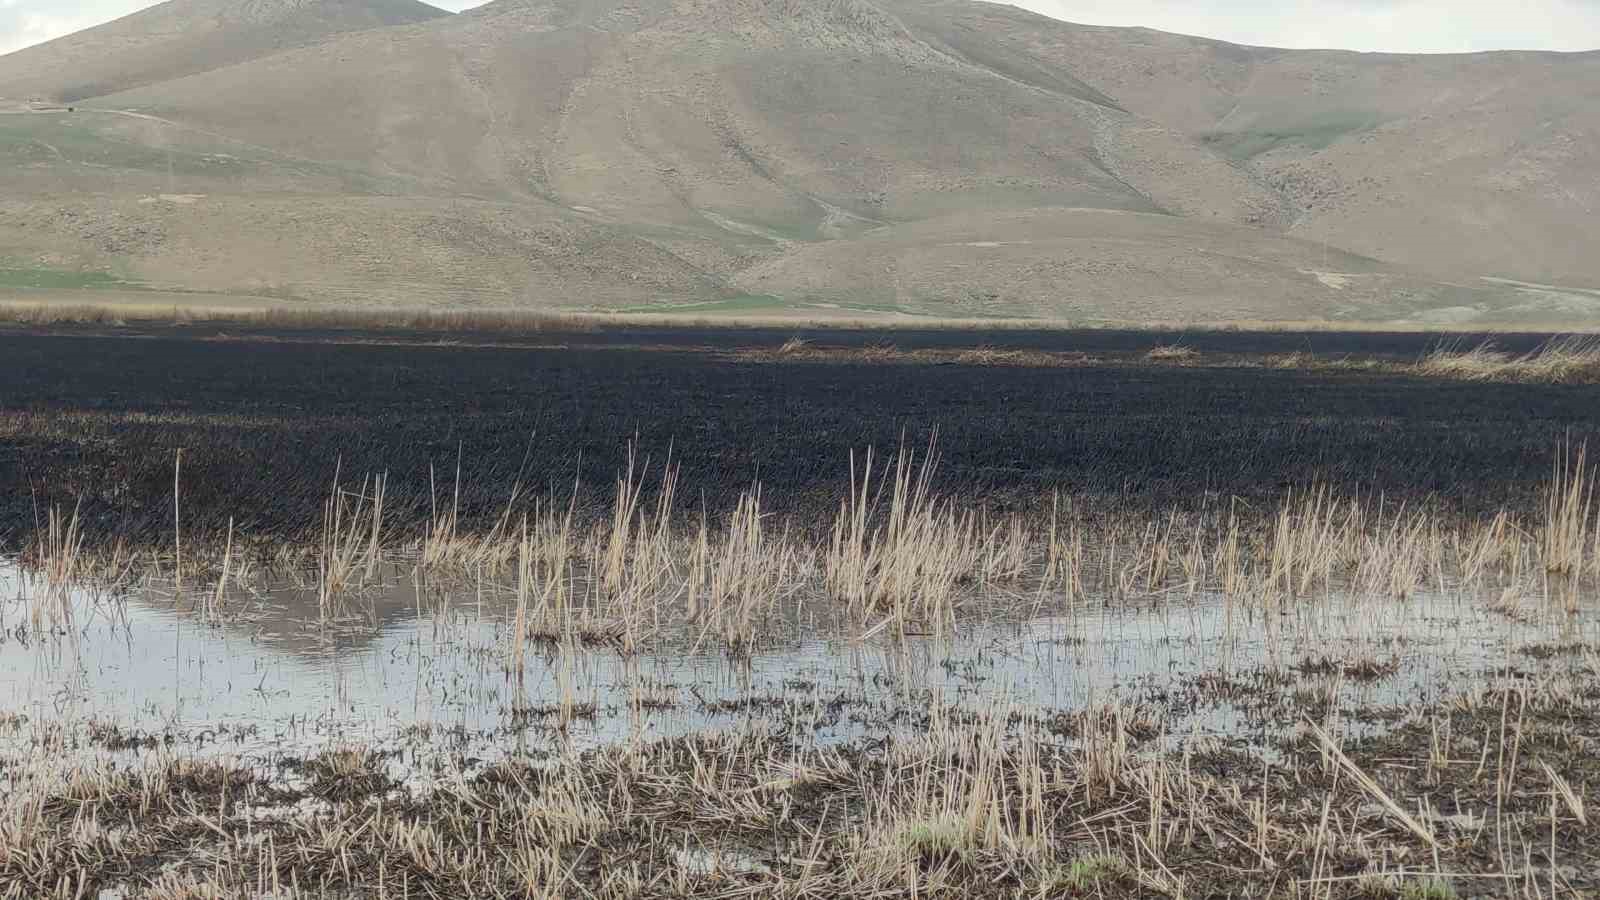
[942,157]
[1479,163]
[184,37]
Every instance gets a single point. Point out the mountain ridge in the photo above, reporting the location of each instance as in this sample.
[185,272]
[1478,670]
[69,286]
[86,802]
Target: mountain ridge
[681,150]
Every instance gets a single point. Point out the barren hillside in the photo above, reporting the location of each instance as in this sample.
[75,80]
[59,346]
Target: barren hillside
[1458,164]
[896,155]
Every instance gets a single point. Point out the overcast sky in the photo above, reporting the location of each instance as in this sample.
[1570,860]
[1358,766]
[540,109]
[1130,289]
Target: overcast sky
[1391,25]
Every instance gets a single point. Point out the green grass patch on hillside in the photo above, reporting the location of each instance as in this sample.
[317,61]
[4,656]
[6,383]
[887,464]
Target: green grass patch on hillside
[84,140]
[765,303]
[102,140]
[797,230]
[743,303]
[59,279]
[1317,133]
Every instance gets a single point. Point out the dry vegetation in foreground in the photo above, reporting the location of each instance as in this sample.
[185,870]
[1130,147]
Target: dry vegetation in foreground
[1488,793]
[900,555]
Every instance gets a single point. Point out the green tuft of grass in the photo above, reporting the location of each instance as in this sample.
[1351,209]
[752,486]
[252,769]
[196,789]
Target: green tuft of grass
[946,836]
[1082,874]
[1429,888]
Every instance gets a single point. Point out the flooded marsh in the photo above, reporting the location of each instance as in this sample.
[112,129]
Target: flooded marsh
[920,704]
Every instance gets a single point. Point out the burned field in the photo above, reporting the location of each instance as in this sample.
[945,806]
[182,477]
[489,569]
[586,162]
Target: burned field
[265,422]
[637,613]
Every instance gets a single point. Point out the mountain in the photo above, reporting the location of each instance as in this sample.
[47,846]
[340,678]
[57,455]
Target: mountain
[184,37]
[1470,164]
[919,156]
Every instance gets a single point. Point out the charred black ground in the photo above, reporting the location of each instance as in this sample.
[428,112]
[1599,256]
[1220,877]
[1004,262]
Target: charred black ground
[265,419]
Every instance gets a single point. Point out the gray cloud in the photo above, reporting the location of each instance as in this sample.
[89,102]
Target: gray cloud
[1389,25]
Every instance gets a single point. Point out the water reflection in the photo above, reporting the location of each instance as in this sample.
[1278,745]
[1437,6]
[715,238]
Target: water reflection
[412,662]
